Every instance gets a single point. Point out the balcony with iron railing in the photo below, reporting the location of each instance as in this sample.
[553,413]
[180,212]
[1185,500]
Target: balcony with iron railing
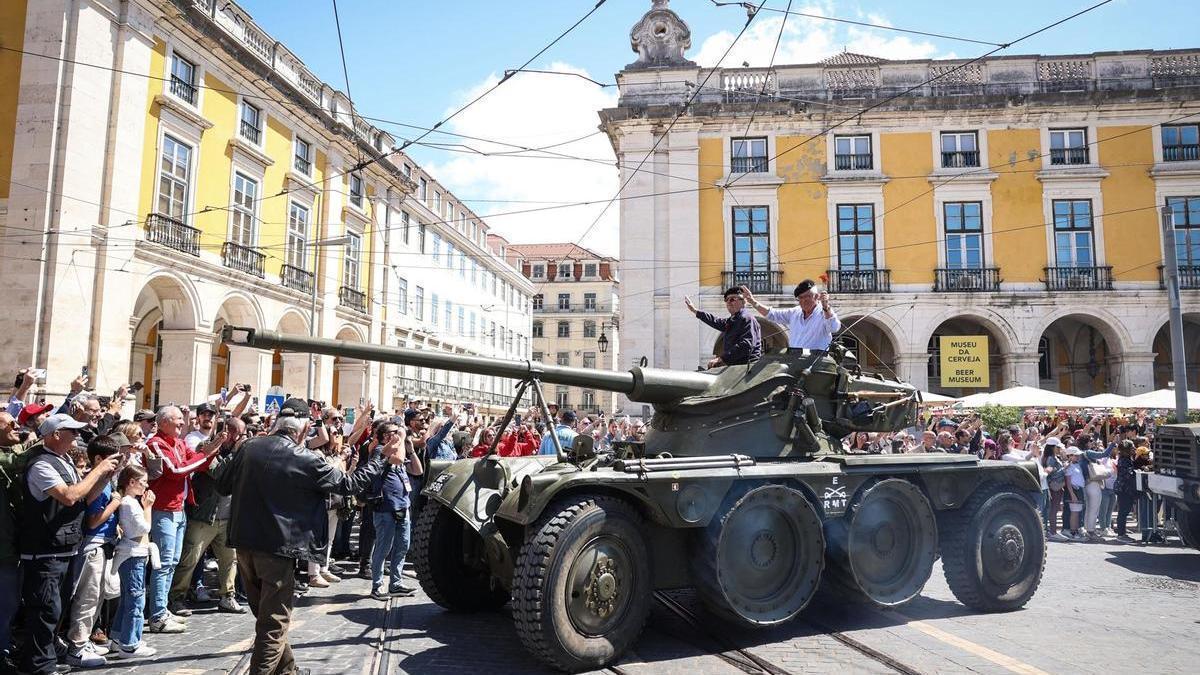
[302,165]
[748,164]
[1189,277]
[1181,153]
[969,280]
[250,132]
[183,90]
[1067,156]
[758,281]
[574,309]
[1078,278]
[352,298]
[960,159]
[860,281]
[858,162]
[243,259]
[172,233]
[296,278]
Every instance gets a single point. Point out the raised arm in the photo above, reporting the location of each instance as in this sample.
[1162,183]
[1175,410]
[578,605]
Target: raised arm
[762,309]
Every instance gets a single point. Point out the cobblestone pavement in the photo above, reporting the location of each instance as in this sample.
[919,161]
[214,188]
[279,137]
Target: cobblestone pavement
[1101,608]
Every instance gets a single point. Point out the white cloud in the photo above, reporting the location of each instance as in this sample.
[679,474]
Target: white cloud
[535,110]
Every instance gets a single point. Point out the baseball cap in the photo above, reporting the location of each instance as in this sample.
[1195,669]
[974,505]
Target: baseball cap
[1053,440]
[205,408]
[143,415]
[55,422]
[295,407]
[568,416]
[1074,451]
[409,414]
[31,411]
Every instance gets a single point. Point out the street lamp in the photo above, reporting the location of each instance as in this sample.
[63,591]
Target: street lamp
[312,313]
[603,341]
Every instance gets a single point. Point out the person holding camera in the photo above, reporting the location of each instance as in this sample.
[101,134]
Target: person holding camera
[389,500]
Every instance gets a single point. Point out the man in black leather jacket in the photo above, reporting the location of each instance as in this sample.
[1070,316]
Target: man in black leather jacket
[278,516]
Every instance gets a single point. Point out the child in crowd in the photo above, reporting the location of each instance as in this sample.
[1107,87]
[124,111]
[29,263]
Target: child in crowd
[130,559]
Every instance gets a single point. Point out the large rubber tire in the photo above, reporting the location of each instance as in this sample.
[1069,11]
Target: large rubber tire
[994,550]
[582,587]
[882,550]
[1189,526]
[449,563]
[759,561]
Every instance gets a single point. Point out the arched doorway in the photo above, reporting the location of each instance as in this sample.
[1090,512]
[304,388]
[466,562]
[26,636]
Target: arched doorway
[1163,369]
[1078,355]
[165,343]
[290,369]
[349,375]
[967,326]
[240,365]
[872,343]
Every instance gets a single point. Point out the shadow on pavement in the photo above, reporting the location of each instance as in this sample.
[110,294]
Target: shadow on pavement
[1180,566]
[483,642]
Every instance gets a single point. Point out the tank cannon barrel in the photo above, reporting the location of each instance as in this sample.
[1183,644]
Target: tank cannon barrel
[647,385]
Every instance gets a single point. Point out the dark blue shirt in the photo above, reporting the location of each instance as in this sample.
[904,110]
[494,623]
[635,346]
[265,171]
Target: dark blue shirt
[742,339]
[391,489]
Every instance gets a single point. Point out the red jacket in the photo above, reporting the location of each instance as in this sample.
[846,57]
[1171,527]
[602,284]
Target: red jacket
[173,489]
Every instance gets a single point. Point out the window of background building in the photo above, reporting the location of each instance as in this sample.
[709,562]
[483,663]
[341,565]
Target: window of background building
[421,231]
[589,359]
[751,246]
[748,155]
[1181,142]
[856,236]
[183,79]
[537,302]
[433,309]
[852,153]
[174,179]
[589,301]
[1186,218]
[406,226]
[350,271]
[1044,370]
[563,358]
[1073,233]
[449,316]
[560,396]
[589,399]
[419,304]
[564,301]
[589,270]
[422,189]
[537,356]
[462,320]
[250,127]
[564,329]
[537,329]
[302,158]
[537,271]
[402,294]
[934,369]
[564,270]
[1068,146]
[241,217]
[471,325]
[964,235]
[589,329]
[437,248]
[297,235]
[960,149]
[356,190]
[493,334]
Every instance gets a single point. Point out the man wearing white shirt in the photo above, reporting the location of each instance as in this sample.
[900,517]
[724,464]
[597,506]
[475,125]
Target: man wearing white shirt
[807,328]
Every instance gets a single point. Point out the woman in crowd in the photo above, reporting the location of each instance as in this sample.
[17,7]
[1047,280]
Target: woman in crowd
[1075,490]
[1125,487]
[130,558]
[1056,479]
[319,575]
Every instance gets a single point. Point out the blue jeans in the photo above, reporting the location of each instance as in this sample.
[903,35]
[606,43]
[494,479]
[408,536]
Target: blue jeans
[166,530]
[127,622]
[10,599]
[1107,498]
[391,537]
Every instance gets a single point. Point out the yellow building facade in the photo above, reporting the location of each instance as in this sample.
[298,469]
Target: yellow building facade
[1017,197]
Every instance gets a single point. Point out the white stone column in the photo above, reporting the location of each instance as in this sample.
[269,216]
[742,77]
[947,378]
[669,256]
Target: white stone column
[352,383]
[248,365]
[1136,373]
[183,373]
[1020,368]
[913,368]
[294,368]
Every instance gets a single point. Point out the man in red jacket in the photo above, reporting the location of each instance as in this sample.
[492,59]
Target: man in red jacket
[168,522]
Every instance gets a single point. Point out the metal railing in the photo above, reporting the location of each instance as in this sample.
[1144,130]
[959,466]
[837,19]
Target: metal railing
[748,164]
[969,280]
[860,281]
[183,89]
[243,259]
[302,165]
[1181,153]
[759,281]
[1068,155]
[960,159]
[859,162]
[297,278]
[172,233]
[1078,278]
[250,132]
[574,309]
[1189,277]
[352,298]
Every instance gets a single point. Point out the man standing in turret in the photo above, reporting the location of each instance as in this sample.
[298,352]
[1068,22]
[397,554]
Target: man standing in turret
[743,341]
[807,328]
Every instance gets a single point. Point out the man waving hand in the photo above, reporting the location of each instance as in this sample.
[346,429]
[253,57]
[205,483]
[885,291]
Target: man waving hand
[807,328]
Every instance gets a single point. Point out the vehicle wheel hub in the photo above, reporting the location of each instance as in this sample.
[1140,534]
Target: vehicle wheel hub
[601,593]
[1010,545]
[884,539]
[763,549]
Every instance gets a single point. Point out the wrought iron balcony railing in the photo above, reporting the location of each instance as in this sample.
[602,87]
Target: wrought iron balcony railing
[1069,155]
[1181,153]
[860,281]
[1189,277]
[971,280]
[852,162]
[1079,278]
[303,165]
[748,164]
[960,159]
[250,132]
[758,281]
[297,278]
[183,89]
[243,259]
[172,233]
[352,299]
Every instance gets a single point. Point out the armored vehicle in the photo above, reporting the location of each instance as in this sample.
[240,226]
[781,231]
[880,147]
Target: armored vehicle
[1176,476]
[740,489]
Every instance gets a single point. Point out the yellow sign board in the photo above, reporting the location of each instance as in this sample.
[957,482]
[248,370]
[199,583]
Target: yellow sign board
[964,361]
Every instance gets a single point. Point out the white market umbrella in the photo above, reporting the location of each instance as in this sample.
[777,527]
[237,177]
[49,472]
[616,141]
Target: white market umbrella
[1023,397]
[1162,398]
[929,397]
[1107,401]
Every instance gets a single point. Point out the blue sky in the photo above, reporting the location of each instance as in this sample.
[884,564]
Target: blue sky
[415,61]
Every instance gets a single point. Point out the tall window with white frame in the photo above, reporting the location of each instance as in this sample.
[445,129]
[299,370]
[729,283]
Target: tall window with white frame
[538,299]
[564,301]
[1181,142]
[748,155]
[296,248]
[1185,216]
[302,161]
[1068,146]
[242,223]
[564,329]
[564,271]
[174,179]
[402,295]
[589,329]
[589,302]
[1074,242]
[250,127]
[751,248]
[350,270]
[537,271]
[964,235]
[419,303]
[856,236]
[960,149]
[852,153]
[183,79]
[356,190]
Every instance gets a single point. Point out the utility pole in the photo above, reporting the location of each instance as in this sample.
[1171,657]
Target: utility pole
[1175,312]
